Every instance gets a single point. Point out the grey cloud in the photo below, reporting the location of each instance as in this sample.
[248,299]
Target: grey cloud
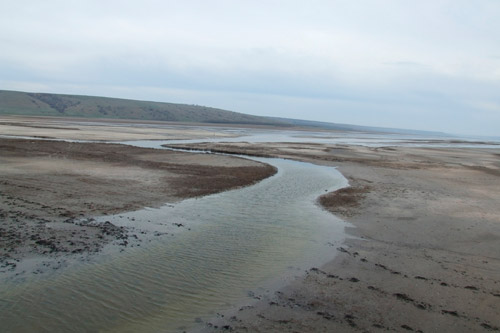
[358,62]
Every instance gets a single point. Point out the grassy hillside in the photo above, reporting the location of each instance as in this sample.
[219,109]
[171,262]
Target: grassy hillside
[37,104]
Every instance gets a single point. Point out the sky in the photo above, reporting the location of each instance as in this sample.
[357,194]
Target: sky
[428,64]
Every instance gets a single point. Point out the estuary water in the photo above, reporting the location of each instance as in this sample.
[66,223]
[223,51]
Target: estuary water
[188,260]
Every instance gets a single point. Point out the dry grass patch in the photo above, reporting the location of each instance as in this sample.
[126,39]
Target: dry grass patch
[344,201]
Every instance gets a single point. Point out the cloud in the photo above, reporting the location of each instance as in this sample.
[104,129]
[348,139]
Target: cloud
[388,57]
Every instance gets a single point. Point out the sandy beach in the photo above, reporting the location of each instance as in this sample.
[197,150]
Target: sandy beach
[423,253]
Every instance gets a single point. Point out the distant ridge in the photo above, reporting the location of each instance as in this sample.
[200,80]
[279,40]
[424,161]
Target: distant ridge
[42,104]
[59,105]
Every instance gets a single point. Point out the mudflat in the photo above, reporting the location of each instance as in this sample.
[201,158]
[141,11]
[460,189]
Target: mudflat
[424,254]
[50,190]
[424,251]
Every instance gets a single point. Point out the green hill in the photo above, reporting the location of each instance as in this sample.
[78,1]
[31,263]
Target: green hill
[38,104]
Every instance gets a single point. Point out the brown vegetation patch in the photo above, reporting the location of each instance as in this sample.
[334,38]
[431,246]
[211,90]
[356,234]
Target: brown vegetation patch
[201,181]
[344,201]
[489,171]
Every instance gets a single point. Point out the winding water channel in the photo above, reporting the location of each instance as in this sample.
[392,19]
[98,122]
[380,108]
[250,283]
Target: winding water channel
[190,259]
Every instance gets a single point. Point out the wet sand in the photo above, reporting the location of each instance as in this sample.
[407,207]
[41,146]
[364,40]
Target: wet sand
[50,192]
[424,253]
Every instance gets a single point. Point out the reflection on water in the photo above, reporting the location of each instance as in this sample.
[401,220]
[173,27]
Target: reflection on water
[369,139]
[225,245]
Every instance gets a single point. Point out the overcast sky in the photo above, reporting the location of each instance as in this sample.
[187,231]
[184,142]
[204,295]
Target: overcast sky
[427,64]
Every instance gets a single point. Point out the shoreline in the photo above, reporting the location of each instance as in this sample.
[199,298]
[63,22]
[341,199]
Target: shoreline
[222,293]
[51,190]
[423,254]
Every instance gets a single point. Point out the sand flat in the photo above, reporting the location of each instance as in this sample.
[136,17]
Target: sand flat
[102,130]
[425,253]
